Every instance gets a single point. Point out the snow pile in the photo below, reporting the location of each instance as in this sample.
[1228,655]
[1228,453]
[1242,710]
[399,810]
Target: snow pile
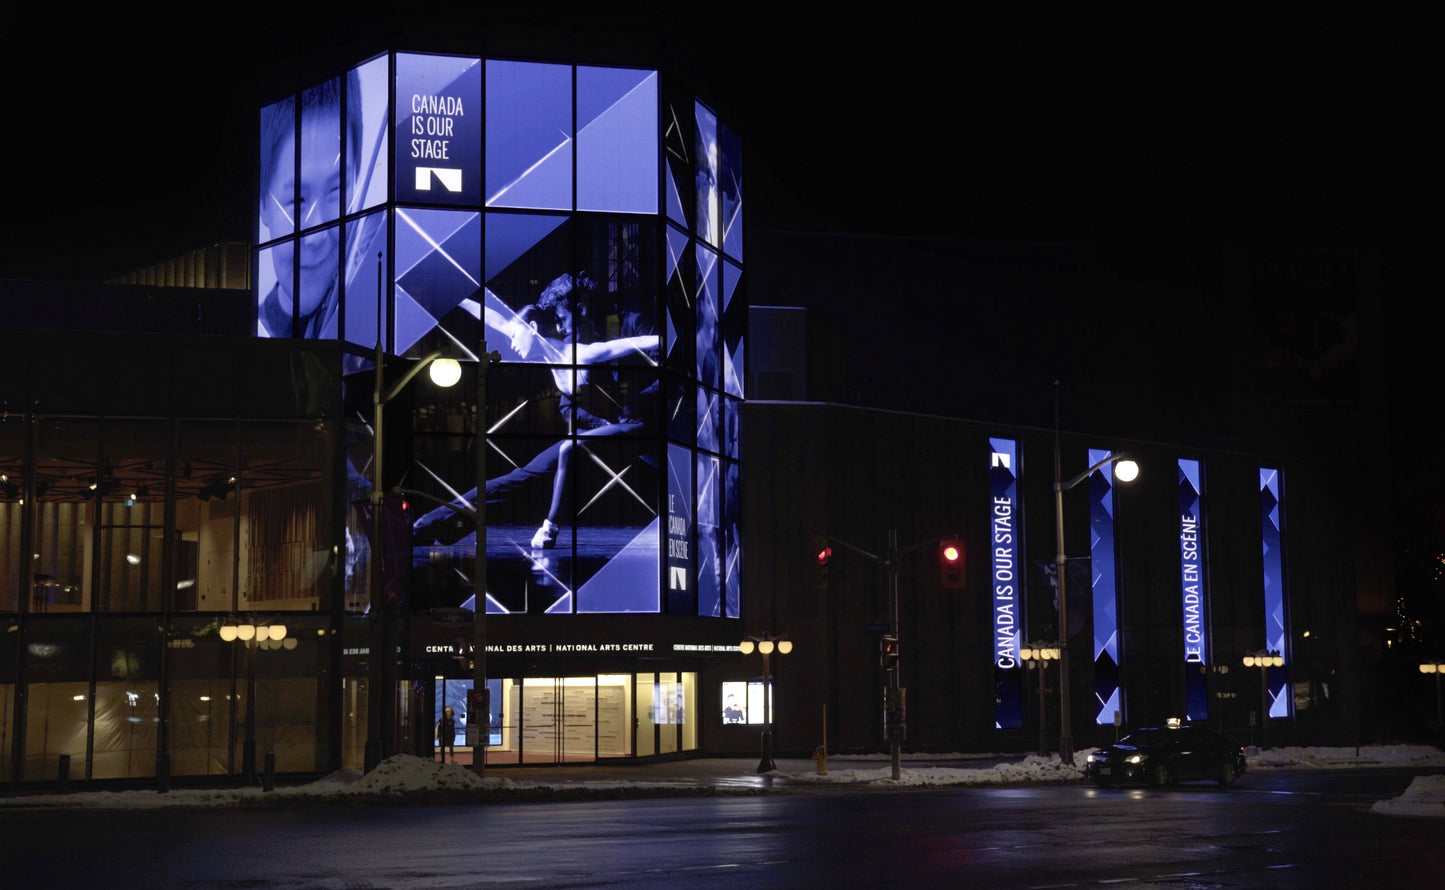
[1334,758]
[1424,797]
[1031,769]
[406,774]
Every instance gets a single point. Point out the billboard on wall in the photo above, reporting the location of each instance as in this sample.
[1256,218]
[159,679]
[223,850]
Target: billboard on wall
[524,209]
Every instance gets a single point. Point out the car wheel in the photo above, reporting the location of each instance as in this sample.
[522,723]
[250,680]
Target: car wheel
[1227,774]
[1160,774]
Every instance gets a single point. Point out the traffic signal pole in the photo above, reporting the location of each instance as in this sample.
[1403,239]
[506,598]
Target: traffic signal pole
[895,713]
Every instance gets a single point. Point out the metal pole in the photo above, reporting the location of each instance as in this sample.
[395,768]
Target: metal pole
[1066,730]
[766,765]
[895,744]
[377,693]
[479,573]
[1043,741]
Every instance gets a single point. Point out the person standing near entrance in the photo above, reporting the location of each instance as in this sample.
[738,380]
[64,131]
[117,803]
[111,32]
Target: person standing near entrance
[447,733]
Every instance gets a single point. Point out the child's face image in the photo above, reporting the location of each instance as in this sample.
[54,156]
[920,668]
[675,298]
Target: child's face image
[319,203]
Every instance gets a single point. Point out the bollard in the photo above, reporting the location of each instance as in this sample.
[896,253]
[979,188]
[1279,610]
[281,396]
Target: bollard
[62,775]
[268,779]
[163,773]
[820,754]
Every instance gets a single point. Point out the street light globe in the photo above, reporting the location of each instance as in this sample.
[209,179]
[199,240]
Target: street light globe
[1126,470]
[1249,661]
[278,631]
[445,372]
[1428,668]
[228,633]
[765,647]
[785,646]
[246,632]
[746,647]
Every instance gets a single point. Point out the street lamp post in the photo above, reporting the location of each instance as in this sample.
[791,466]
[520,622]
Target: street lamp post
[1436,669]
[1264,660]
[252,637]
[381,710]
[1126,471]
[765,646]
[1037,656]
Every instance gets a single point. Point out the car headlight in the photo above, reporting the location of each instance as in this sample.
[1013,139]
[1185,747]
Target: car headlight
[1093,757]
[1136,758]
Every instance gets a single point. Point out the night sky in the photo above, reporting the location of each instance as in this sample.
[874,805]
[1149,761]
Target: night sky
[130,126]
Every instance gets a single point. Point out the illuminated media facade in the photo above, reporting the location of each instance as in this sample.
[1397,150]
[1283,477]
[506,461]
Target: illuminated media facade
[587,225]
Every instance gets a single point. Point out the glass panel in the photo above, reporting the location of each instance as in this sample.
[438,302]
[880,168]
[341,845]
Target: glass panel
[367,113]
[365,277]
[730,186]
[614,706]
[206,472]
[320,300]
[277,206]
[321,154]
[439,129]
[709,208]
[57,700]
[14,432]
[617,140]
[132,516]
[67,477]
[642,717]
[529,135]
[127,698]
[202,701]
[668,711]
[285,548]
[690,714]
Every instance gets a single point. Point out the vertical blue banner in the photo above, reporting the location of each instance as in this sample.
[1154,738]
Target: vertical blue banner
[1276,636]
[1105,593]
[1004,531]
[1192,592]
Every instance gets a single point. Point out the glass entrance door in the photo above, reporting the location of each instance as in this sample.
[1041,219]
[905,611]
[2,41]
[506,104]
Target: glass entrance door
[559,719]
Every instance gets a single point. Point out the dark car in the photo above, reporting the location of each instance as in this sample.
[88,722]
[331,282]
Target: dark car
[1165,755]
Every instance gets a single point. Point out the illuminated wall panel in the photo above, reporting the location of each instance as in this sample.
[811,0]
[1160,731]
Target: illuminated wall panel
[1194,601]
[527,207]
[1276,631]
[1008,616]
[1105,590]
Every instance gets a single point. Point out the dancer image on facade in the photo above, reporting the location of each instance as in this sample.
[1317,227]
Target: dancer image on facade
[542,334]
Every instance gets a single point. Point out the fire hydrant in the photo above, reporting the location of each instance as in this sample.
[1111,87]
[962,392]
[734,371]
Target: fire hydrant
[820,754]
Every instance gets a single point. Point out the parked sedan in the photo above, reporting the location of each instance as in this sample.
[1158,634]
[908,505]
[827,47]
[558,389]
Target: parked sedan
[1165,755]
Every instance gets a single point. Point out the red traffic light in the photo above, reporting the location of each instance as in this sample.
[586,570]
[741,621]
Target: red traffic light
[825,554]
[951,563]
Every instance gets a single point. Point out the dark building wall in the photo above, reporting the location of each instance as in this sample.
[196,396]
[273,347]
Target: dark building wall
[855,474]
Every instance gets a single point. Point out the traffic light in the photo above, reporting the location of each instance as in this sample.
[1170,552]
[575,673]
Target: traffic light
[820,553]
[950,563]
[887,651]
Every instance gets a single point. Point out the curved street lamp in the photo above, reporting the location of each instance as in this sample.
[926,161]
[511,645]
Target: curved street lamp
[1125,470]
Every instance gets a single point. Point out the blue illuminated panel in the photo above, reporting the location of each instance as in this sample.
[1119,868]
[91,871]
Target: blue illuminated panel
[1271,507]
[1106,599]
[617,157]
[708,225]
[366,187]
[527,207]
[529,135]
[438,130]
[1008,617]
[1191,585]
